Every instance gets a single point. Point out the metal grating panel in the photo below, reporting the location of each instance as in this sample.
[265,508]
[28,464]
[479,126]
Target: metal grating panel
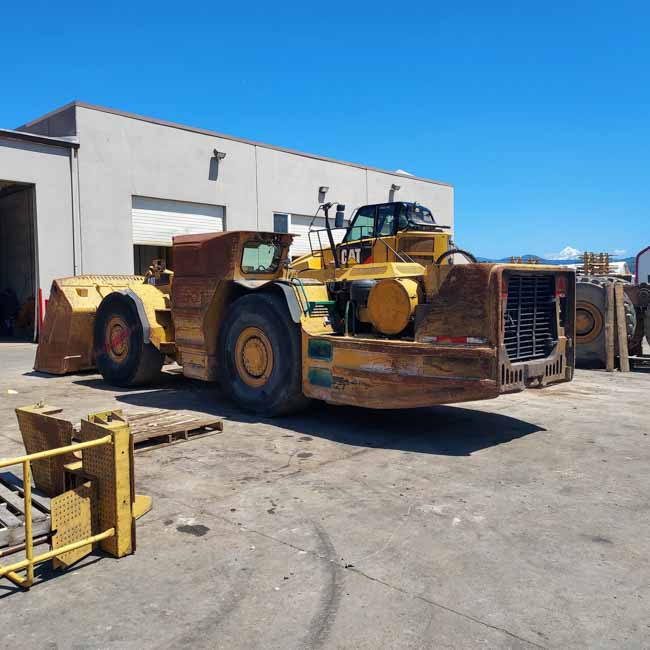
[112,467]
[320,310]
[530,328]
[74,519]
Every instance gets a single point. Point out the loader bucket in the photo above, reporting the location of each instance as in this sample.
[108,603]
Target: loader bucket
[65,343]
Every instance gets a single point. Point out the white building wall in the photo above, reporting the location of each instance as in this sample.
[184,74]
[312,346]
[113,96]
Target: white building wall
[289,183]
[48,168]
[122,156]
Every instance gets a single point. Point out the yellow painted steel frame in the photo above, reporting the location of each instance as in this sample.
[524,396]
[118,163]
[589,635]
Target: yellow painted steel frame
[108,456]
[10,571]
[111,465]
[406,245]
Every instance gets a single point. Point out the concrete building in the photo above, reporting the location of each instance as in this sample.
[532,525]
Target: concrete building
[87,189]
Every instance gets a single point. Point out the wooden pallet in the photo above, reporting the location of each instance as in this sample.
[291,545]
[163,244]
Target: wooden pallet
[152,429]
[12,511]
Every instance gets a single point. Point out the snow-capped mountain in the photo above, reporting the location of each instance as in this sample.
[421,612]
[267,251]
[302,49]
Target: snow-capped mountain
[567,253]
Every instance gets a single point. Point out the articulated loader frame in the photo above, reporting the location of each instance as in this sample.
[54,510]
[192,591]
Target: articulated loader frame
[276,336]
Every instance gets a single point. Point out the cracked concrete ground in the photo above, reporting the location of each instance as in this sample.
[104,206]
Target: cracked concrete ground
[519,522]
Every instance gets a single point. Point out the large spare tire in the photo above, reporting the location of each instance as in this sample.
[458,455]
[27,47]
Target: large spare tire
[591,315]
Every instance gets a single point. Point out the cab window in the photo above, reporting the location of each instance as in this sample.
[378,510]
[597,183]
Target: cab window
[260,257]
[402,221]
[363,224]
[385,220]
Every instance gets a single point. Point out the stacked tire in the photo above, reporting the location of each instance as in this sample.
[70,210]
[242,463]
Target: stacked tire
[591,316]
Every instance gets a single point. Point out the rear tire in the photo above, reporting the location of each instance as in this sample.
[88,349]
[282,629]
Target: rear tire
[260,359]
[121,355]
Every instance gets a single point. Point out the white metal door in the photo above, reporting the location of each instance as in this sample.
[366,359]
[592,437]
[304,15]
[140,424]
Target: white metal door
[156,221]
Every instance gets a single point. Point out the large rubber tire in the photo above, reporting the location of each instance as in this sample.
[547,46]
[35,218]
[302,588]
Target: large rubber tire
[591,307]
[121,355]
[262,320]
[635,344]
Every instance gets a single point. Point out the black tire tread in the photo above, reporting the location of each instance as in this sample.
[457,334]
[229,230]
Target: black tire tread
[145,362]
[594,354]
[270,311]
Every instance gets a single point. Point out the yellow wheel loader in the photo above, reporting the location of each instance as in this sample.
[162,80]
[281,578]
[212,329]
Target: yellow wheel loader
[400,330]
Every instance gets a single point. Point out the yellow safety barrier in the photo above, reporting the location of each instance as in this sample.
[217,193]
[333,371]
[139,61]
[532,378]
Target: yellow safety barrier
[9,571]
[91,495]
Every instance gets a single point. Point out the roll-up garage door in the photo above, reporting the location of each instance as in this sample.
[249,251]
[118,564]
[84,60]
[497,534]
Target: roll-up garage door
[156,221]
[300,227]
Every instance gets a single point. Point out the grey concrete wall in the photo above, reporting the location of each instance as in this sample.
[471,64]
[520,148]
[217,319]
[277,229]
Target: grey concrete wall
[48,168]
[120,157]
[289,183]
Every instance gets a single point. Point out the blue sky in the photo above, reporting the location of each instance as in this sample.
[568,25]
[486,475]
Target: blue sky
[537,113]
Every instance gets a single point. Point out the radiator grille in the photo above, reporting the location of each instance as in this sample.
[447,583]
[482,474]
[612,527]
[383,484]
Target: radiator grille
[530,317]
[320,310]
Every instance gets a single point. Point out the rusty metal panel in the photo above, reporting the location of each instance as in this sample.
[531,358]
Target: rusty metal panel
[388,374]
[205,267]
[40,432]
[465,303]
[74,517]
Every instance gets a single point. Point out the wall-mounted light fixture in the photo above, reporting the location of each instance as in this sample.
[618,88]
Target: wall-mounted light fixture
[395,188]
[323,189]
[217,157]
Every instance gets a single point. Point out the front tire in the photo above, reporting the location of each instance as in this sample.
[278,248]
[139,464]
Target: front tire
[121,355]
[260,356]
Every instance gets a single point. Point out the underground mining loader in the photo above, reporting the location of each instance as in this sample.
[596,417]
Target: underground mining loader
[380,334]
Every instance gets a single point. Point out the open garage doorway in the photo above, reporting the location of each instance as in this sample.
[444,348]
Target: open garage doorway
[18,274]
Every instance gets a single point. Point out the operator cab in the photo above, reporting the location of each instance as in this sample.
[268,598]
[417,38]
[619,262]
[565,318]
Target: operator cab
[384,232]
[386,219]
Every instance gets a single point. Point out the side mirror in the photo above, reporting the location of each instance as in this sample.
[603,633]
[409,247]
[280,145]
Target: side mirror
[340,216]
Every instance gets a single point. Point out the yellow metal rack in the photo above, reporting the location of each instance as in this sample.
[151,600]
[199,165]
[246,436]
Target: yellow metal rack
[100,495]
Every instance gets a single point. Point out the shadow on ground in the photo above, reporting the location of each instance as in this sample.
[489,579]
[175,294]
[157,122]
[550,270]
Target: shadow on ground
[441,430]
[44,572]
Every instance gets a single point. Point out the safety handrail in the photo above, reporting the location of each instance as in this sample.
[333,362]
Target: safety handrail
[9,571]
